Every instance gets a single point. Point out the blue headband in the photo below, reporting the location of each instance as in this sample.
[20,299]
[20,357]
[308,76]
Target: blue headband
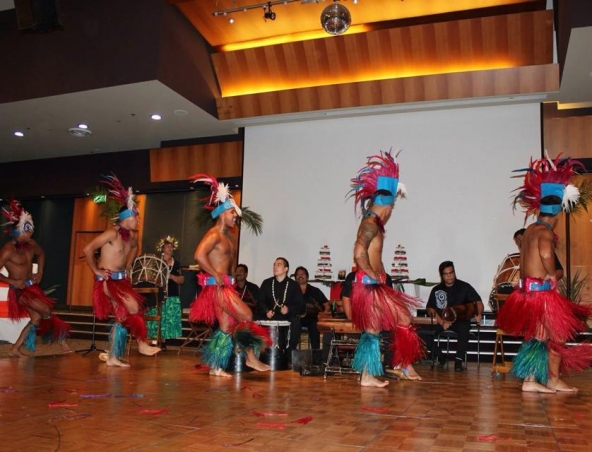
[126,214]
[550,209]
[388,184]
[551,189]
[226,205]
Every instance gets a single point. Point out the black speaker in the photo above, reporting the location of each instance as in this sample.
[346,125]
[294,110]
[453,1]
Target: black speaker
[37,16]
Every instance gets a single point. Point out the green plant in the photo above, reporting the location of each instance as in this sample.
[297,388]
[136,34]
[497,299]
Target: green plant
[578,283]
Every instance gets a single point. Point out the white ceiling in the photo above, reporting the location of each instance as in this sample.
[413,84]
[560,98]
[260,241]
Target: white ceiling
[119,117]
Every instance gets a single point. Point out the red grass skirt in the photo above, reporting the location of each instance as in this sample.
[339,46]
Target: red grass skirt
[378,307]
[52,329]
[212,300]
[120,290]
[544,315]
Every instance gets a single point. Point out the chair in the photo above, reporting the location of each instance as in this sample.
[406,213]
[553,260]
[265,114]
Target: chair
[197,333]
[448,335]
[341,352]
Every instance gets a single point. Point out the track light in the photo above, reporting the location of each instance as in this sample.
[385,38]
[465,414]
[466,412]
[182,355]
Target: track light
[335,18]
[268,14]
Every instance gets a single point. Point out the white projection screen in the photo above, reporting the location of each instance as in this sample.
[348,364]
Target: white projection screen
[456,164]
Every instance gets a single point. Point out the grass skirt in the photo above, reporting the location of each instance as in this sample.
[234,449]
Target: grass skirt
[211,298]
[378,307]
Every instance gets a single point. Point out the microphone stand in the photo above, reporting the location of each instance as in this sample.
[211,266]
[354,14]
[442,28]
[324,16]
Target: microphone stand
[93,345]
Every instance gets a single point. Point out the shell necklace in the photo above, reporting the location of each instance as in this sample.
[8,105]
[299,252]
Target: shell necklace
[273,293]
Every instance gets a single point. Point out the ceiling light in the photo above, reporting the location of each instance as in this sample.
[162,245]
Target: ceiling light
[268,14]
[156,117]
[79,133]
[231,20]
[82,126]
[19,134]
[335,19]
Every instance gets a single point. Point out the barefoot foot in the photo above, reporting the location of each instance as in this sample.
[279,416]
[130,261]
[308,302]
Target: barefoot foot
[533,386]
[65,348]
[254,363]
[103,357]
[114,362]
[369,381]
[219,373]
[15,353]
[561,386]
[147,350]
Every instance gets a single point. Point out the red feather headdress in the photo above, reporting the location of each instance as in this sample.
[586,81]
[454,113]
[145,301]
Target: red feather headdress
[545,177]
[19,220]
[220,198]
[367,181]
[125,197]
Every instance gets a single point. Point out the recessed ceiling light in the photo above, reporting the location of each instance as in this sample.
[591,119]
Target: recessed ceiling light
[82,126]
[19,134]
[156,117]
[180,112]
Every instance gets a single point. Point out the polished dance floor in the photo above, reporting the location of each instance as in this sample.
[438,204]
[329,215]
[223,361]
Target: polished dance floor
[167,403]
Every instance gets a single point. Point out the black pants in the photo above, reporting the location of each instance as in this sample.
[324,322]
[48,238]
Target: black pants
[313,332]
[462,329]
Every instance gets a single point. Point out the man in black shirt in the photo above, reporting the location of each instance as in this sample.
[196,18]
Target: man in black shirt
[315,302]
[280,298]
[248,291]
[449,293]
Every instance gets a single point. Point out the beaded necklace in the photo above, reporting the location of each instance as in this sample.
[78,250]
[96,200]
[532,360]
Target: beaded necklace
[273,294]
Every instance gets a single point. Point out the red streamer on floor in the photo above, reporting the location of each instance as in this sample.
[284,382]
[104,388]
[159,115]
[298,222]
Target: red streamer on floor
[61,404]
[155,412]
[492,438]
[375,410]
[303,420]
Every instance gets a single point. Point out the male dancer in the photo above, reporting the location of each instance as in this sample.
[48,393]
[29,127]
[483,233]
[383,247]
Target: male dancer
[218,300]
[113,292]
[536,310]
[25,298]
[375,306]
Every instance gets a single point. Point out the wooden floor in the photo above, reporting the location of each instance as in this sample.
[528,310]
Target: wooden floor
[165,403]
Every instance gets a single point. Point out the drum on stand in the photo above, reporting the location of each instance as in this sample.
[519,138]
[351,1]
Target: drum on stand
[150,271]
[504,281]
[276,356]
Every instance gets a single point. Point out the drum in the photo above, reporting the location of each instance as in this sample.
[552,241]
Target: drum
[148,268]
[276,355]
[506,278]
[460,312]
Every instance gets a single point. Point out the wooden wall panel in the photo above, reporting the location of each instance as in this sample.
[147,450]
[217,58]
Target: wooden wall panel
[87,223]
[462,85]
[178,163]
[570,135]
[504,41]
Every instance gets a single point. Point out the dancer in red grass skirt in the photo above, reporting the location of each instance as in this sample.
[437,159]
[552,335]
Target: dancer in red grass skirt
[536,310]
[25,297]
[376,307]
[218,300]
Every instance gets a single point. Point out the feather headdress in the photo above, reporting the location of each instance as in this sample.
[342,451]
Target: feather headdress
[118,193]
[381,174]
[547,177]
[19,220]
[165,240]
[220,199]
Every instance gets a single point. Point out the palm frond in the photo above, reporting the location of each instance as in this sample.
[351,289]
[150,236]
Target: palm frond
[578,283]
[252,220]
[585,197]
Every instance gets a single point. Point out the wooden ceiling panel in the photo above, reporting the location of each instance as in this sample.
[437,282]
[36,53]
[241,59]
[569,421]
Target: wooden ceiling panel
[296,18]
[495,42]
[461,85]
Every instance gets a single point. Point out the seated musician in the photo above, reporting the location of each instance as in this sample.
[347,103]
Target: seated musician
[452,292]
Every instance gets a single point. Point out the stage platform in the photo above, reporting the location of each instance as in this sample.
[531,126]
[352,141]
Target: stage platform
[165,403]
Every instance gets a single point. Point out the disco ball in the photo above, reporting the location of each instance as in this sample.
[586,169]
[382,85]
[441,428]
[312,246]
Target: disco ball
[335,19]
